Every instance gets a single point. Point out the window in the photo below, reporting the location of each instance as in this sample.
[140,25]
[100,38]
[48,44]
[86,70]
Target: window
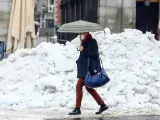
[50,23]
[51,2]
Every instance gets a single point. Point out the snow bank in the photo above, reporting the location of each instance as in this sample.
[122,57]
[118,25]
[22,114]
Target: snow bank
[46,76]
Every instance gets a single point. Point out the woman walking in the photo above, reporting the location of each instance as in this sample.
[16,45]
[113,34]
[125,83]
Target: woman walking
[88,49]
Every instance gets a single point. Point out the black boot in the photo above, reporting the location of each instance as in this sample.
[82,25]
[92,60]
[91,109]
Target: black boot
[76,111]
[102,109]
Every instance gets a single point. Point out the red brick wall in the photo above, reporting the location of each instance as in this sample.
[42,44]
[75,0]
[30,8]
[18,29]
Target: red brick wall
[58,16]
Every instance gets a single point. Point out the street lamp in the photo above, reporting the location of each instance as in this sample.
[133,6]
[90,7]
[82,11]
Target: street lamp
[43,8]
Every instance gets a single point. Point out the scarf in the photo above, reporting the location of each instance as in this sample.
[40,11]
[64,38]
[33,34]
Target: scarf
[86,38]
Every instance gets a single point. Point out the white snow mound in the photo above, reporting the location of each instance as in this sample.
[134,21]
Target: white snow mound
[46,75]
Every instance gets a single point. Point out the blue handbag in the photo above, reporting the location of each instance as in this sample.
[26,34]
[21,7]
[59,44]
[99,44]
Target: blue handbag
[97,80]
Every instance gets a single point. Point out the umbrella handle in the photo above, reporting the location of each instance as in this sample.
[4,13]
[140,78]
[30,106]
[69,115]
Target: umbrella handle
[104,32]
[78,48]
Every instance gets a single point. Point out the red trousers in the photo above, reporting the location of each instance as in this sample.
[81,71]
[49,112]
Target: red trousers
[79,93]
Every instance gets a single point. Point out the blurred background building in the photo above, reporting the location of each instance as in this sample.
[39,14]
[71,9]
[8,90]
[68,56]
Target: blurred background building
[45,13]
[5,8]
[115,14]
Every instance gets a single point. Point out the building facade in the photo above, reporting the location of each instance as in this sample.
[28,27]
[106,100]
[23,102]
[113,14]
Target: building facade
[114,14]
[58,12]
[135,14]
[45,13]
[72,10]
[5,9]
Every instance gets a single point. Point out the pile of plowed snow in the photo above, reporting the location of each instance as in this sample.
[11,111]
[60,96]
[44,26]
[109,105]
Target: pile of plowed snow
[46,75]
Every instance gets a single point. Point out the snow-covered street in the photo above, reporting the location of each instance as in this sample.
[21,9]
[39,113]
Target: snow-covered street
[41,81]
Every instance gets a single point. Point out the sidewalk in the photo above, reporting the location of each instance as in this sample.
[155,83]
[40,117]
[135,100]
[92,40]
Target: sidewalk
[151,117]
[60,114]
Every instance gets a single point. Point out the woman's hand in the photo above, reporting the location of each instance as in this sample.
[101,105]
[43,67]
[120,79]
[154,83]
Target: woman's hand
[81,48]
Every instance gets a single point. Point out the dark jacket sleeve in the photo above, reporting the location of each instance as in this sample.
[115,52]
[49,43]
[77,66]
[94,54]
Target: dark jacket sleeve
[92,50]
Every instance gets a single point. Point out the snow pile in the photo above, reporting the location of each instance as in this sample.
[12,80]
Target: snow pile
[46,76]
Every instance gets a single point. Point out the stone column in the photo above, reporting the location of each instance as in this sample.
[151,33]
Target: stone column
[129,14]
[117,14]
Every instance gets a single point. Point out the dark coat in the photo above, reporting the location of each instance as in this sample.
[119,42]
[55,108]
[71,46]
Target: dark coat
[90,51]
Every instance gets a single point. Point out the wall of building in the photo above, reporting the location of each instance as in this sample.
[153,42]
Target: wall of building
[39,11]
[73,10]
[58,12]
[50,15]
[39,5]
[45,16]
[5,8]
[117,14]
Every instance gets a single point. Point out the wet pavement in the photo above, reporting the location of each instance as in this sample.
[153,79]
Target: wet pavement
[142,117]
[54,114]
[145,117]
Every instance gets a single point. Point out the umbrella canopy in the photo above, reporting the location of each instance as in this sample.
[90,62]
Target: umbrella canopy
[80,26]
[21,32]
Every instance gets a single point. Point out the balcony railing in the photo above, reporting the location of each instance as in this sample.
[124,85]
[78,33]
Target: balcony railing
[50,15]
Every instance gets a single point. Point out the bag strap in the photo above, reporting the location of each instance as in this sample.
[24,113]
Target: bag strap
[88,59]
[101,63]
[88,62]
